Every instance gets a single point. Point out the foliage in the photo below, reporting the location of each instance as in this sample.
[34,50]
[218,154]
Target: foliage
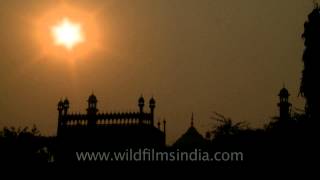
[311,58]
[225,126]
[22,145]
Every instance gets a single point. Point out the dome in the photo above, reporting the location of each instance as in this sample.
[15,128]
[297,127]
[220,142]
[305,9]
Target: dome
[152,101]
[141,100]
[92,98]
[66,101]
[60,103]
[284,93]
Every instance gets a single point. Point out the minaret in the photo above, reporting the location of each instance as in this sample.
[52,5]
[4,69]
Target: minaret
[284,105]
[92,110]
[92,105]
[141,105]
[60,107]
[152,105]
[65,106]
[60,116]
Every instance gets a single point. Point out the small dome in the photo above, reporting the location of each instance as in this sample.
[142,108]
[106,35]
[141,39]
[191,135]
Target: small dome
[141,100]
[66,101]
[284,93]
[152,101]
[92,98]
[60,103]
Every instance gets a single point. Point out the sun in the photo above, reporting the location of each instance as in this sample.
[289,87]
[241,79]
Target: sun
[67,33]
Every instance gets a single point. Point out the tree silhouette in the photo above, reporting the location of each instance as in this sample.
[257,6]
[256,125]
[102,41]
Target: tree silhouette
[309,87]
[23,145]
[225,126]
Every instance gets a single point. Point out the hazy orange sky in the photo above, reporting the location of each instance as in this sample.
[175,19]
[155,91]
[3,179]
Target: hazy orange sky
[192,56]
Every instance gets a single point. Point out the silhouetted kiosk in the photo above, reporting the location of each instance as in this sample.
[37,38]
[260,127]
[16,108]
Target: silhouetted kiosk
[95,131]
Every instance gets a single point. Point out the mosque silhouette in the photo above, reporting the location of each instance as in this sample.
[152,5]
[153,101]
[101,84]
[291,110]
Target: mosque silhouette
[114,131]
[99,131]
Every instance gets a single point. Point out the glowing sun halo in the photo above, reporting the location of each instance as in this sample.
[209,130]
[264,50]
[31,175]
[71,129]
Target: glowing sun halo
[67,33]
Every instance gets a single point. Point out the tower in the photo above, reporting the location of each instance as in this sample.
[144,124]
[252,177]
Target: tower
[284,105]
[60,115]
[65,106]
[152,105]
[141,104]
[92,110]
[92,105]
[60,107]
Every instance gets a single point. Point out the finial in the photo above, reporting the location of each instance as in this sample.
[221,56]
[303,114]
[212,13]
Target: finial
[192,119]
[164,126]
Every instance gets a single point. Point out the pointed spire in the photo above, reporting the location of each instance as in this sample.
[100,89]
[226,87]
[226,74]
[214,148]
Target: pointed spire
[192,119]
